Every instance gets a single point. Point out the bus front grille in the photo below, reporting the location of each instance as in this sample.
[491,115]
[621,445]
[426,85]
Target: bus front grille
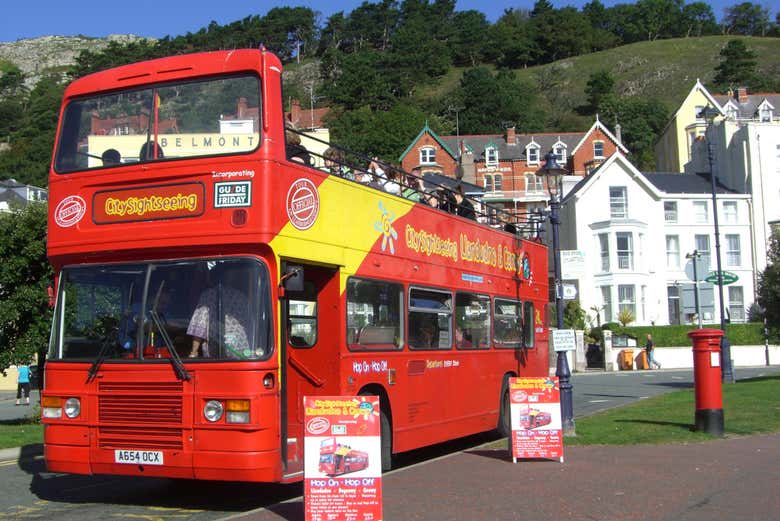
[140,409]
[139,438]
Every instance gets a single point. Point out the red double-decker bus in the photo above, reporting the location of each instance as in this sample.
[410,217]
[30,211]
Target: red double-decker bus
[206,282]
[337,459]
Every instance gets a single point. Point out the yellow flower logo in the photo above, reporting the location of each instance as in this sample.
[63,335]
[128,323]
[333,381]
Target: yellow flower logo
[385,226]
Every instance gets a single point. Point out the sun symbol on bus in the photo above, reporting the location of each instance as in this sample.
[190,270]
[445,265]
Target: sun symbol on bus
[367,407]
[385,227]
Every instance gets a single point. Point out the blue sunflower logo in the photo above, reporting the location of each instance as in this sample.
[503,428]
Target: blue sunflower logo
[385,226]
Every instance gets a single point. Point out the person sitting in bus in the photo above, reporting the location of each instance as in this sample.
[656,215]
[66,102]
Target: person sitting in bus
[150,151]
[294,149]
[111,156]
[463,206]
[295,340]
[204,329]
[462,338]
[392,185]
[335,163]
[427,337]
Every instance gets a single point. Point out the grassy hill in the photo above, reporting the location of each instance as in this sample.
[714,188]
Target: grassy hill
[663,69]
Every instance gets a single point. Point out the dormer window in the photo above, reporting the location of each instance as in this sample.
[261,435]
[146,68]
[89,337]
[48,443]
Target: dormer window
[559,149]
[491,156]
[732,112]
[427,156]
[532,153]
[766,114]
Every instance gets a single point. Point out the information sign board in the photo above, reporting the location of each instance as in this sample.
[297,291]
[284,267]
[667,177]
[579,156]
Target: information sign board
[343,465]
[535,408]
[564,340]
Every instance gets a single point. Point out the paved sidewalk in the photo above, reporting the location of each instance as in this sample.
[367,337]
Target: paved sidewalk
[734,479]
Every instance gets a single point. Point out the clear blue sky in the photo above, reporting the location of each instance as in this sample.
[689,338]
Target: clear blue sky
[157,18]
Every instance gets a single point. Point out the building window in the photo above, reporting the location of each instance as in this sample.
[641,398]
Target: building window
[730,212]
[598,149]
[626,299]
[618,202]
[533,155]
[699,112]
[701,212]
[736,304]
[606,302]
[559,149]
[733,255]
[604,248]
[427,156]
[673,304]
[625,252]
[498,182]
[670,211]
[491,156]
[488,183]
[703,247]
[534,183]
[672,251]
[766,115]
[731,112]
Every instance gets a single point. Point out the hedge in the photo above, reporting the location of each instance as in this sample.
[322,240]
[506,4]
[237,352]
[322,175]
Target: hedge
[677,336]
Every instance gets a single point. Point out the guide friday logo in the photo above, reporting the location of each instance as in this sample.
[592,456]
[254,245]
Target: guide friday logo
[70,211]
[303,204]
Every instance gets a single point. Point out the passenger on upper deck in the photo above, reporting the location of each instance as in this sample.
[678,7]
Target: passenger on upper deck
[463,206]
[150,150]
[111,156]
[335,163]
[294,149]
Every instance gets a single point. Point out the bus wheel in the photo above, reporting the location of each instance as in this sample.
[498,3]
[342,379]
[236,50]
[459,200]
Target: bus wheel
[504,415]
[386,433]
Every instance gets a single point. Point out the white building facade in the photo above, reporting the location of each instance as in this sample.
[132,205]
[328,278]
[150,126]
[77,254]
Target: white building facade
[634,231]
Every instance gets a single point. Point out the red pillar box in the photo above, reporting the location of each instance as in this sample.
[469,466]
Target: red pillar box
[707,385]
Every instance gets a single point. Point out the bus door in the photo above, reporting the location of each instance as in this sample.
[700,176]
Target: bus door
[310,318]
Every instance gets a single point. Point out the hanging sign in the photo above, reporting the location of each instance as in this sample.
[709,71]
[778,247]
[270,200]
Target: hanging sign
[343,469]
[535,407]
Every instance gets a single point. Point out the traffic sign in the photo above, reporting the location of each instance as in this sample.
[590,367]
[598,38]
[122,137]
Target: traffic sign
[727,277]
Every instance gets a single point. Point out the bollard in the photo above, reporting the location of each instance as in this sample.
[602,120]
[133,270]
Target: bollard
[707,381]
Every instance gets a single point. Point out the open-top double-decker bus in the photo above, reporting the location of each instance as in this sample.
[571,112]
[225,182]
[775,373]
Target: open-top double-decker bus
[206,283]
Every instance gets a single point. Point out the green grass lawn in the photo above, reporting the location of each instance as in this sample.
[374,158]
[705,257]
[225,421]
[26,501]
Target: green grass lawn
[749,407]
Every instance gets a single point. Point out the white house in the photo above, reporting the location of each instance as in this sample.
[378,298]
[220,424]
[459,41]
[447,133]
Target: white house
[634,231]
[746,158]
[14,194]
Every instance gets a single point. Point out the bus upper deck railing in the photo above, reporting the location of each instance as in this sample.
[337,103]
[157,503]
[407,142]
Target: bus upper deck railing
[373,172]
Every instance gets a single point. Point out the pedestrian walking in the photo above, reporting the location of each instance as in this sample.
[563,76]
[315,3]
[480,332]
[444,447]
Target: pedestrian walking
[649,348]
[23,385]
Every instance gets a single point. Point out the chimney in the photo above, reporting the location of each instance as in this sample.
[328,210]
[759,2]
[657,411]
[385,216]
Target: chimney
[295,111]
[510,136]
[619,133]
[742,95]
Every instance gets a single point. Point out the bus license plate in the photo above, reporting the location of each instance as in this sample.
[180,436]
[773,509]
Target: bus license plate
[139,457]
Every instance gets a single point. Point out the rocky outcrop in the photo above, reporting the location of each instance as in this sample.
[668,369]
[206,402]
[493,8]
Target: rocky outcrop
[37,56]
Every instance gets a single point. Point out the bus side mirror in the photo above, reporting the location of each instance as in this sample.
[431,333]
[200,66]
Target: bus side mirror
[293,278]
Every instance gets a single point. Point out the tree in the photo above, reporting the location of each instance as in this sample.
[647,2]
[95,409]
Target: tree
[642,120]
[769,284]
[25,274]
[490,101]
[698,20]
[747,19]
[600,85]
[737,67]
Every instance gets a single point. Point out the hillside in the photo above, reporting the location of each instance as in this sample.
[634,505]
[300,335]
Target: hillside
[663,69]
[37,56]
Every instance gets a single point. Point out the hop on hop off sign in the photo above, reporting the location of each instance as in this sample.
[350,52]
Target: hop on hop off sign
[343,469]
[535,408]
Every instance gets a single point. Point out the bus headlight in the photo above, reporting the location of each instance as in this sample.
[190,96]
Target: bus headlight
[72,407]
[213,410]
[237,411]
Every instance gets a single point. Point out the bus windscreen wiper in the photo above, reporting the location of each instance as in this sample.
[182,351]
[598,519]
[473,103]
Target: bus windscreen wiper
[178,366]
[101,356]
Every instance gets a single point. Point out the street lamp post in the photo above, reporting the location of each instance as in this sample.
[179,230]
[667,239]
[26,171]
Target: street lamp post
[694,257]
[553,174]
[727,373]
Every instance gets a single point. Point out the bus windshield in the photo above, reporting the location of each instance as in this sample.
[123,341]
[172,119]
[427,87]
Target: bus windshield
[160,122]
[204,309]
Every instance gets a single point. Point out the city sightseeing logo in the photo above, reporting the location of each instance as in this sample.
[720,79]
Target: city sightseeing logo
[385,226]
